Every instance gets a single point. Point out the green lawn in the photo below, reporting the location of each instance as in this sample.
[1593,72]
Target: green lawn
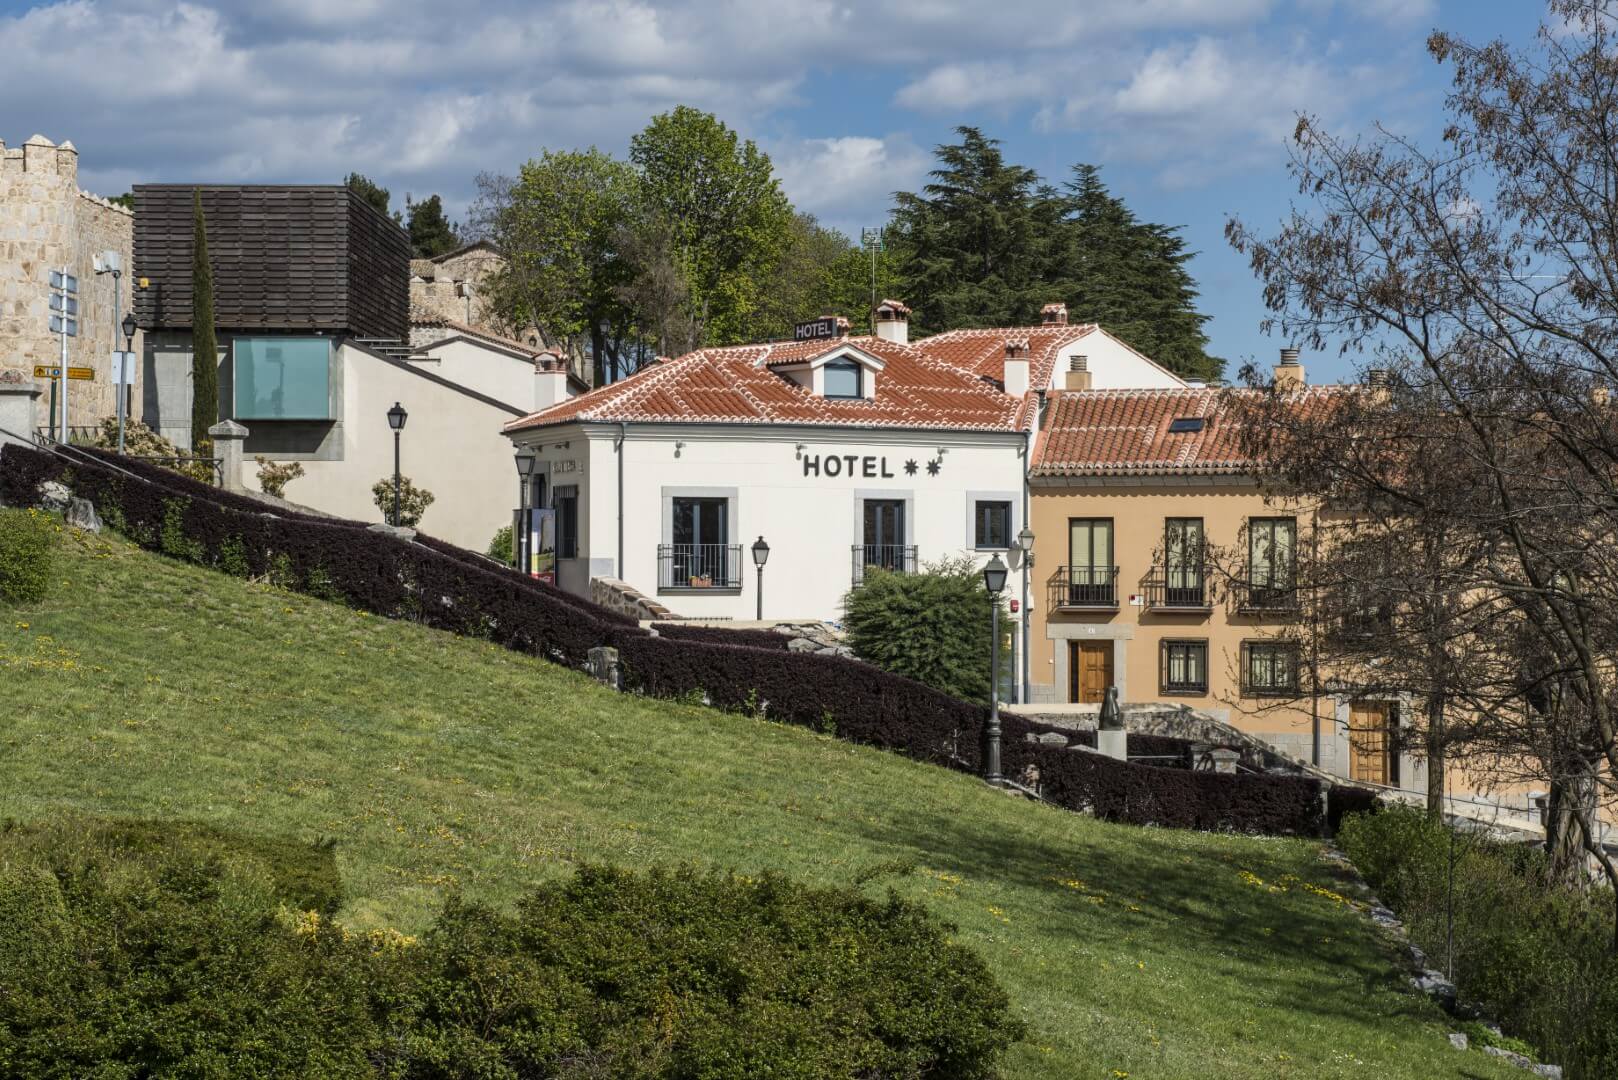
[149,688]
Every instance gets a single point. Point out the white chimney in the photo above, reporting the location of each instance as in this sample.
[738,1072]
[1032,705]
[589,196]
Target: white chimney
[893,322]
[1289,373]
[550,381]
[1078,373]
[1016,376]
[1054,314]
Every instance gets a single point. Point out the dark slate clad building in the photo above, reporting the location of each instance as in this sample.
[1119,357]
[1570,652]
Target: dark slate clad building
[297,271]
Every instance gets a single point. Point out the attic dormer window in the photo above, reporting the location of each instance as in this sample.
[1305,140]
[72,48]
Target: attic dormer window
[844,379]
[1185,423]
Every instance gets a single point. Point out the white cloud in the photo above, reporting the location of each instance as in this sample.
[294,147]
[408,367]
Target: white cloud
[849,181]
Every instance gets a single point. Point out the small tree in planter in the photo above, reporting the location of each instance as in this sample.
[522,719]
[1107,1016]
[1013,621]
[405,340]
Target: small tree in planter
[413,501]
[274,476]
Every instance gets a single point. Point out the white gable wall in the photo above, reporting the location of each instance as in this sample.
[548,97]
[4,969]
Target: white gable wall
[1114,365]
[492,372]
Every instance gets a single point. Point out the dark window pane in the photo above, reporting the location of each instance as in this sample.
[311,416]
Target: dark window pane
[993,525]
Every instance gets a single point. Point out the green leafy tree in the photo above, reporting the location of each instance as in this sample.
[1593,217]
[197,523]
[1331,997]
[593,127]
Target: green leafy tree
[560,224]
[804,281]
[204,346]
[933,627]
[431,233]
[413,501]
[728,219]
[374,194]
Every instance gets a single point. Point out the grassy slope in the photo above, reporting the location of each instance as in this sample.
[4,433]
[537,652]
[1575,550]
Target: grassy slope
[145,687]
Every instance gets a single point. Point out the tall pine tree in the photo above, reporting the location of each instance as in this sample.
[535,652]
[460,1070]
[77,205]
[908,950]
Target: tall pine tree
[204,347]
[373,193]
[431,233]
[986,243]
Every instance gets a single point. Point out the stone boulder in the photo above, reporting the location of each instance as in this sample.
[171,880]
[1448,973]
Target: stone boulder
[81,514]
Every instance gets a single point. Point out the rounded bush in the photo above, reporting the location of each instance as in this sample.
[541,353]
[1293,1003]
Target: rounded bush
[27,550]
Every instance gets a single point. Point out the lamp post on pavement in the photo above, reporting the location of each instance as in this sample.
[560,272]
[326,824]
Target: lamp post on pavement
[1025,544]
[761,555]
[126,375]
[526,460]
[994,580]
[396,420]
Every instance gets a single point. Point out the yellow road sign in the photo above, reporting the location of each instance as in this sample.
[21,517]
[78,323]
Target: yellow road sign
[83,374]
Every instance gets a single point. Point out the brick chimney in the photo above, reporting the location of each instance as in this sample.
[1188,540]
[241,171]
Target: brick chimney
[1053,314]
[893,322]
[1016,370]
[550,380]
[1078,373]
[1289,373]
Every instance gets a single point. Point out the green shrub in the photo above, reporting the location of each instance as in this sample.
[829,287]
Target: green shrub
[161,949]
[685,974]
[500,546]
[1534,955]
[932,627]
[273,477]
[27,550]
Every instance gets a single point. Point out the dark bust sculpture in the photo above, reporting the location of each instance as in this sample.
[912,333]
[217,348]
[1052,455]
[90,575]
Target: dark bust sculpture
[1111,718]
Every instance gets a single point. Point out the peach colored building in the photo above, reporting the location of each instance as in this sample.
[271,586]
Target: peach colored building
[1131,493]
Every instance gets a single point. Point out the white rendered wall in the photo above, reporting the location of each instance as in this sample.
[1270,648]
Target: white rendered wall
[491,372]
[1114,365]
[810,521]
[451,445]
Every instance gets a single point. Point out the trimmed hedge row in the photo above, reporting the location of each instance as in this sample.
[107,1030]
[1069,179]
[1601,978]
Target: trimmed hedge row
[724,635]
[831,694]
[1177,798]
[1345,799]
[371,571]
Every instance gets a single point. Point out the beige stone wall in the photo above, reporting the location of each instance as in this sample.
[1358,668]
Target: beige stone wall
[47,223]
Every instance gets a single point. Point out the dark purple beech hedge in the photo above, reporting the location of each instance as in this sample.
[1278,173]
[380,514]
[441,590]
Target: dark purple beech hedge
[724,635]
[435,584]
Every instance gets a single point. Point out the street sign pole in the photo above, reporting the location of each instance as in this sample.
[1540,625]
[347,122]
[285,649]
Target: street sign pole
[64,321]
[62,376]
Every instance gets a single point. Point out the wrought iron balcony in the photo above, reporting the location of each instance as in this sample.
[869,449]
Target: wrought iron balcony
[1275,597]
[900,558]
[1084,587]
[1177,588]
[699,566]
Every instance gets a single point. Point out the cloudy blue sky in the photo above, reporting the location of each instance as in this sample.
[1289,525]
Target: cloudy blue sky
[1184,103]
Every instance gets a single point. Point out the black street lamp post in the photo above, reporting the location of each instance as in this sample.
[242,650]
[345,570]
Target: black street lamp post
[994,579]
[526,460]
[396,420]
[125,375]
[761,555]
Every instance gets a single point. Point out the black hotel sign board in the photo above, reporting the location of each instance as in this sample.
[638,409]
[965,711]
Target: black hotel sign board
[825,327]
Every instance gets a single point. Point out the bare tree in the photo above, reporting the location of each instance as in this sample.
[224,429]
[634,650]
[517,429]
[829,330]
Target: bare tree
[1486,270]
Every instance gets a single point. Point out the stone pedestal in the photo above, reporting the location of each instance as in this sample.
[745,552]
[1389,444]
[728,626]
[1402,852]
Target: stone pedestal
[1115,744]
[16,409]
[228,437]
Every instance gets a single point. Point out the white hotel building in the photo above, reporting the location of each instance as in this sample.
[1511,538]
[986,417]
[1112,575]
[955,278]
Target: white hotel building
[841,452]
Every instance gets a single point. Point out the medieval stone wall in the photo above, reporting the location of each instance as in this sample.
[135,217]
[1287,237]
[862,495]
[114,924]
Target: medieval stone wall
[47,223]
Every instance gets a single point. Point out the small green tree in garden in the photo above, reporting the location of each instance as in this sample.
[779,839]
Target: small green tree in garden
[500,547]
[204,346]
[27,549]
[413,501]
[933,627]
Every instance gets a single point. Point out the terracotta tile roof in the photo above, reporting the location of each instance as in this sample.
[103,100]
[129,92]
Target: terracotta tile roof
[1127,432]
[737,385]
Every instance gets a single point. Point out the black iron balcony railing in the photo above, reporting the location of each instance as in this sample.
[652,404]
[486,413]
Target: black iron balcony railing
[1176,588]
[699,566]
[1084,587]
[1279,596]
[897,557]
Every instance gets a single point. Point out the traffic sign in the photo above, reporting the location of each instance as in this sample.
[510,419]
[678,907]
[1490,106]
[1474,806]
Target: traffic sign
[64,303]
[82,374]
[64,282]
[72,326]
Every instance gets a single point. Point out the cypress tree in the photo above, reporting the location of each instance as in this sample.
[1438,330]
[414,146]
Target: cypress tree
[204,349]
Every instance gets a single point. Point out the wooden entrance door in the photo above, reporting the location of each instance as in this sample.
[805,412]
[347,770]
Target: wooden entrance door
[1368,741]
[1089,671]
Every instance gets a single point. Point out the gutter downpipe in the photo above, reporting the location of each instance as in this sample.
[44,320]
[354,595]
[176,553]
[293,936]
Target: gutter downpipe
[623,437]
[1028,557]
